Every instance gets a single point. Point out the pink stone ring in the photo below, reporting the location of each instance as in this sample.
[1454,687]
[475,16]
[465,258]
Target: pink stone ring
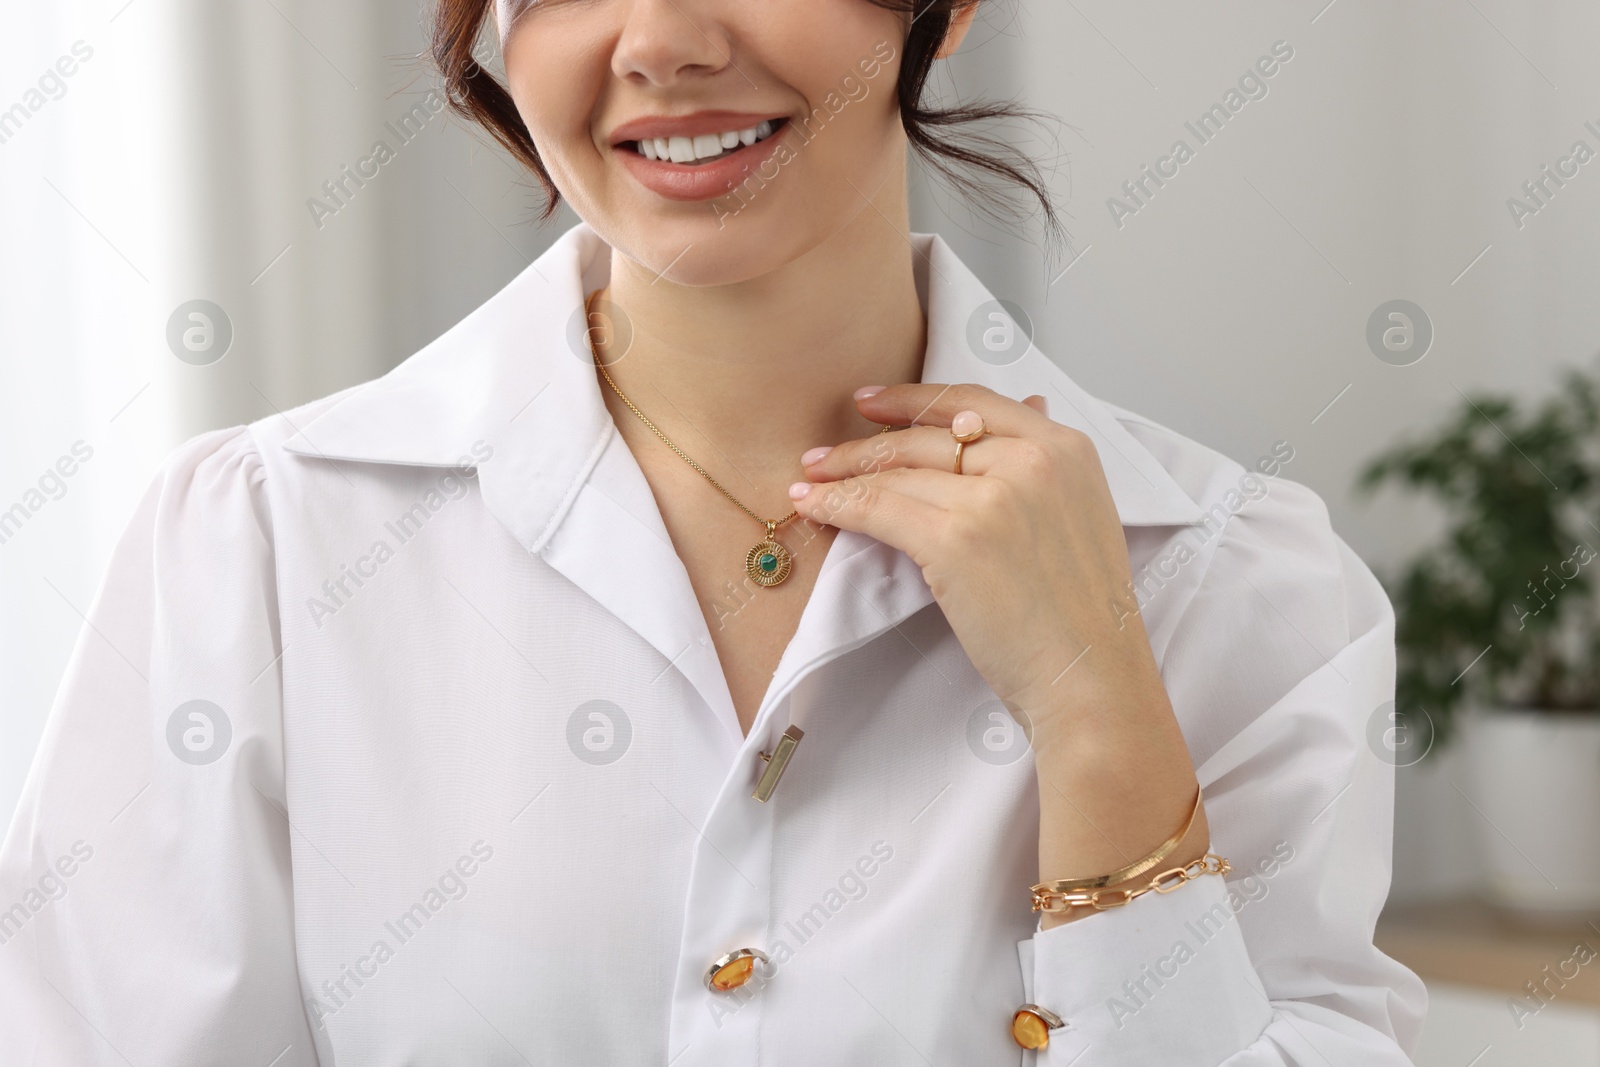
[966,428]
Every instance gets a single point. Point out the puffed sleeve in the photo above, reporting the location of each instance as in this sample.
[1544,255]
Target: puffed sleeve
[146,875]
[1279,663]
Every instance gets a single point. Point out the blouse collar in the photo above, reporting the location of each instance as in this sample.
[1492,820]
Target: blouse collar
[514,375]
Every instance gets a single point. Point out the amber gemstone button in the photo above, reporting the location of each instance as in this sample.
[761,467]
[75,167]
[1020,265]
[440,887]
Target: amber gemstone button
[733,975]
[1031,1026]
[733,970]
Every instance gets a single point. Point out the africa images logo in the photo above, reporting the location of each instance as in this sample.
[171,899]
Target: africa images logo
[1252,85]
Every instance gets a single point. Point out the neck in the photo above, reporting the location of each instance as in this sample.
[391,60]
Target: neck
[754,373]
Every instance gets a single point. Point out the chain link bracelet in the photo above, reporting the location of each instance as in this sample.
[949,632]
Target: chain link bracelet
[1046,899]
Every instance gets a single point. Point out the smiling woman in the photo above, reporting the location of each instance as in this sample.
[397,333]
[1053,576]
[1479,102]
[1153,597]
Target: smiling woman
[938,655]
[940,135]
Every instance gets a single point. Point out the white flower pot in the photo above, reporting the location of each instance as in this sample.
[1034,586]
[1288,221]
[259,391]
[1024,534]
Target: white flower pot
[1535,781]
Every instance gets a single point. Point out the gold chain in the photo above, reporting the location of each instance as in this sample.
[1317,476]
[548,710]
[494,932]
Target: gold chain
[1103,899]
[770,524]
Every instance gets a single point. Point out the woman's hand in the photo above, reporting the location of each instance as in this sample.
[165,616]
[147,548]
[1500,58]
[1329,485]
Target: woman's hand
[1023,550]
[1025,554]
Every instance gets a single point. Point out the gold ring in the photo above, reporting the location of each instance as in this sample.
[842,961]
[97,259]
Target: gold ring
[966,427]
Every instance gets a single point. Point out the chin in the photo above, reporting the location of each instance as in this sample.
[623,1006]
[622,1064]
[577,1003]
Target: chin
[714,256]
[737,237]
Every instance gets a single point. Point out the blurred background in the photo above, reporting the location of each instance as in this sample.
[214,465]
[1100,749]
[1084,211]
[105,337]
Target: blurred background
[1384,251]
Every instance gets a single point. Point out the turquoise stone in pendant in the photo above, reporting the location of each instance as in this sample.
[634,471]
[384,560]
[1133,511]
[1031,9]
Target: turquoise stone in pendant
[768,562]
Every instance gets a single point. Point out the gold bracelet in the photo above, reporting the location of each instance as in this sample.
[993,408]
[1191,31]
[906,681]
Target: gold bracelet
[1103,899]
[1133,870]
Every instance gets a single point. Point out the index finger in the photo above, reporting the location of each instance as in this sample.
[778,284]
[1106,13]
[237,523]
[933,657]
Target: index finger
[933,404]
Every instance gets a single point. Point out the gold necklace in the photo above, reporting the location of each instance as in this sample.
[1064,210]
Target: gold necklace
[767,563]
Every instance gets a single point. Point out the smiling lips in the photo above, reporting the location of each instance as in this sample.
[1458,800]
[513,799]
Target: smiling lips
[696,157]
[705,146]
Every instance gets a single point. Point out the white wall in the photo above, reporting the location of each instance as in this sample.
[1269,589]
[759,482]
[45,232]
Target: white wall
[1233,306]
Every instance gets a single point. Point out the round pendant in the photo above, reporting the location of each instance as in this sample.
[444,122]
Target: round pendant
[767,563]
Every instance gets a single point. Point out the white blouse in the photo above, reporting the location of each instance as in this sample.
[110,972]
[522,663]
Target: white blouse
[397,736]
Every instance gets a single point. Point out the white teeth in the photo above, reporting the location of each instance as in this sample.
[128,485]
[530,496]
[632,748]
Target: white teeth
[703,146]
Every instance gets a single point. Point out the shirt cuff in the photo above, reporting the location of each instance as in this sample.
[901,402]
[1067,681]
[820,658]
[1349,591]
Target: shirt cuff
[1163,979]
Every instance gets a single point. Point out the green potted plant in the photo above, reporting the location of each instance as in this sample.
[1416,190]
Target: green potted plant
[1497,631]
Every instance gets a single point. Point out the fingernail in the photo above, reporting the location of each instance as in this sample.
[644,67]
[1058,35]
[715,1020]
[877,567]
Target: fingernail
[868,390]
[798,490]
[814,455]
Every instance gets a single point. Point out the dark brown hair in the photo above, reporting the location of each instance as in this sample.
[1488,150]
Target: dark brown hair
[942,137]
